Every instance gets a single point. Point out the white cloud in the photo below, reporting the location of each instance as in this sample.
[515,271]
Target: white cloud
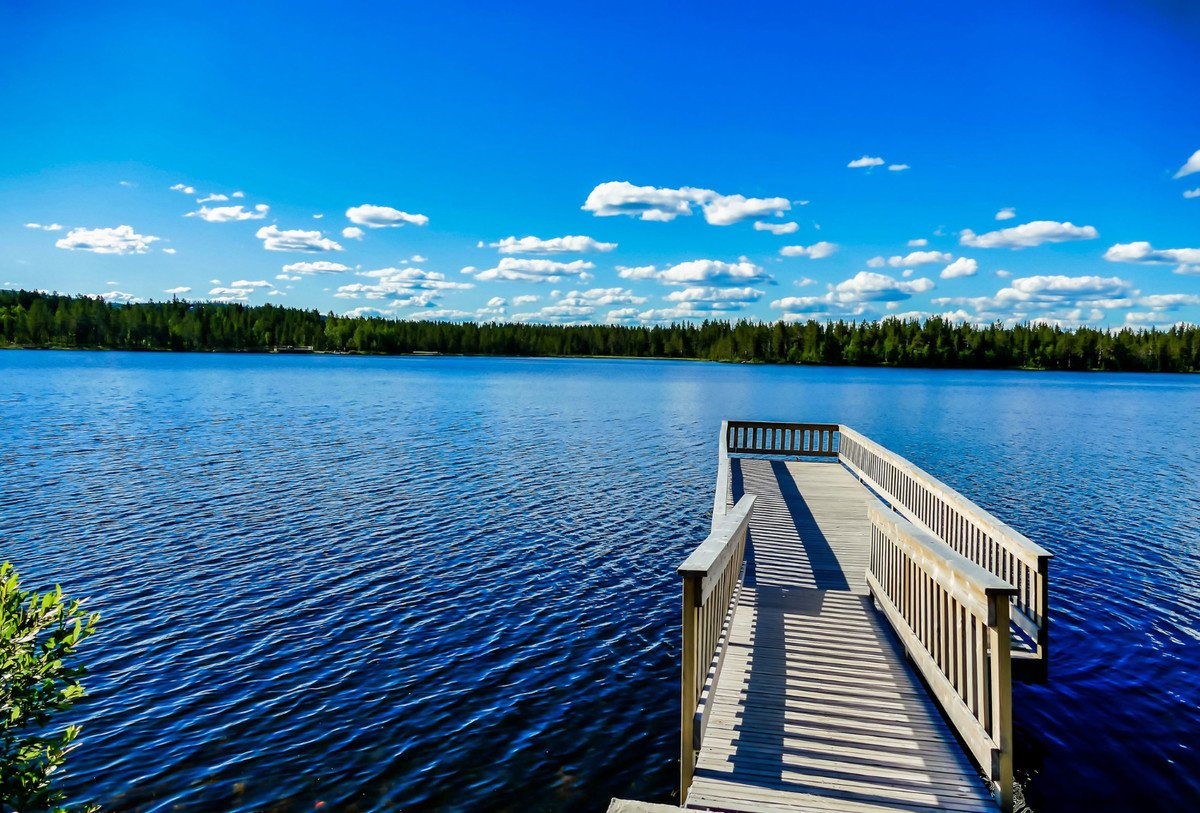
[404,287]
[246,283]
[497,302]
[239,194]
[1192,193]
[918,242]
[182,289]
[1007,213]
[121,240]
[128,184]
[571,243]
[816,251]
[525,299]
[47,227]
[318,216]
[184,188]
[366,311]
[168,251]
[318,267]
[803,304]
[577,305]
[275,239]
[1057,286]
[664,204]
[1166,302]
[524,270]
[852,297]
[711,272]
[230,294]
[1190,166]
[962,267]
[1051,296]
[288,277]
[1002,274]
[229,214]
[637,272]
[876,262]
[441,313]
[898,167]
[867,286]
[276,292]
[776,228]
[211,198]
[621,316]
[353,233]
[119,297]
[708,298]
[417,258]
[804,282]
[865,161]
[725,210]
[1034,233]
[378,217]
[920,258]
[1187,260]
[646,202]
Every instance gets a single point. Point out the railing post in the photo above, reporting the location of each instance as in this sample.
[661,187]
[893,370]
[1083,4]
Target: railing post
[1043,594]
[690,678]
[1000,651]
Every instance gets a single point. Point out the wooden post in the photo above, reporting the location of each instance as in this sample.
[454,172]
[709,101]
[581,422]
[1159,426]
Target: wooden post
[1043,589]
[687,755]
[1000,646]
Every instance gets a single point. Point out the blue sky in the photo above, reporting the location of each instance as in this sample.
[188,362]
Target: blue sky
[633,163]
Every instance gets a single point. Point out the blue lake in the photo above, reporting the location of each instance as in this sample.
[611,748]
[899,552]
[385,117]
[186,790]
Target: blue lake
[449,583]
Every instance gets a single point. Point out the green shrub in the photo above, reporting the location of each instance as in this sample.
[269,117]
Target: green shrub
[38,677]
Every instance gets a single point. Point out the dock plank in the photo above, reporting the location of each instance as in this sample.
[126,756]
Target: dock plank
[816,707]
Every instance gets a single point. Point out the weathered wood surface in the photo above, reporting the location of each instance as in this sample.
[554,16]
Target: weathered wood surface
[816,707]
[968,530]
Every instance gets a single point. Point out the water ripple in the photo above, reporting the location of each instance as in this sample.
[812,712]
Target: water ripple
[449,583]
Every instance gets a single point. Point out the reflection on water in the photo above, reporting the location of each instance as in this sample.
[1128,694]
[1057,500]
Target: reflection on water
[385,583]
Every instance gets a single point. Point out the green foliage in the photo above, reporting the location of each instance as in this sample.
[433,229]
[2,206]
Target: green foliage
[38,636]
[32,319]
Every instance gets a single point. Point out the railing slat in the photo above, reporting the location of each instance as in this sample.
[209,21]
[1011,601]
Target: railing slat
[961,524]
[955,628]
[711,577]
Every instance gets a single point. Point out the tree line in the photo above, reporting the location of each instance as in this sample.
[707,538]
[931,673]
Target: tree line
[40,320]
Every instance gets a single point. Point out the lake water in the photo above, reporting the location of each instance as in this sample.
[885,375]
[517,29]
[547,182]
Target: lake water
[448,583]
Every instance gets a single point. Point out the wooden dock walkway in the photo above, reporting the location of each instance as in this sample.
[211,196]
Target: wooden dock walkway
[831,558]
[816,708]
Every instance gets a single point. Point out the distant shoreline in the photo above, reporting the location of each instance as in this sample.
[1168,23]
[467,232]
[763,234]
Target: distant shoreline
[432,355]
[35,320]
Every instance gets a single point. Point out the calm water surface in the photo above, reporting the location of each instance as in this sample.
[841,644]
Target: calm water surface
[409,583]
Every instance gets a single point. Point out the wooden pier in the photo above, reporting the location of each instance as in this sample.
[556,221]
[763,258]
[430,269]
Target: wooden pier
[851,629]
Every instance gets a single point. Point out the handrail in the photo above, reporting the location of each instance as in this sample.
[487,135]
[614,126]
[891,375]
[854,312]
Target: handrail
[968,529]
[952,617]
[721,495]
[711,581]
[774,438]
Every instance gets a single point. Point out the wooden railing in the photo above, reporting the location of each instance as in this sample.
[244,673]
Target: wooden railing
[792,439]
[961,524]
[722,494]
[952,617]
[711,580]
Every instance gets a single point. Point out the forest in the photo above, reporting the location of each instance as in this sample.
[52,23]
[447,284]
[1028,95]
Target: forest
[30,319]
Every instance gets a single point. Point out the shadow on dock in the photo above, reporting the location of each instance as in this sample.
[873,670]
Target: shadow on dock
[817,708]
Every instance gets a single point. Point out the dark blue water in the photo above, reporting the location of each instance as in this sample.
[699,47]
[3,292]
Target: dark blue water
[402,583]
